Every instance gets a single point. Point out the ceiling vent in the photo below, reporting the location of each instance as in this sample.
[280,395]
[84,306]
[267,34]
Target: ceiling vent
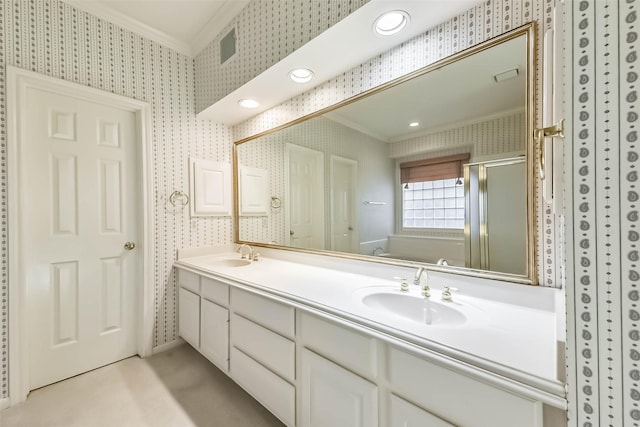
[228,46]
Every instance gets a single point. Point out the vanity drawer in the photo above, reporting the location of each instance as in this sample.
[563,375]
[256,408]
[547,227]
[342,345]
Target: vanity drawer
[272,350]
[273,392]
[444,393]
[189,280]
[351,349]
[214,291]
[270,314]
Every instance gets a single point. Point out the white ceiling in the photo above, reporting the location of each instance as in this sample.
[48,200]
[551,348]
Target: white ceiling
[345,45]
[187,26]
[460,93]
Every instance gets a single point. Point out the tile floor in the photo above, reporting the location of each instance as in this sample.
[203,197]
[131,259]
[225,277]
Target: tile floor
[176,388]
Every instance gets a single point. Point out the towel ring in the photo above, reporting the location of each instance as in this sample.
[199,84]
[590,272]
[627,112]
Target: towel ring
[179,194]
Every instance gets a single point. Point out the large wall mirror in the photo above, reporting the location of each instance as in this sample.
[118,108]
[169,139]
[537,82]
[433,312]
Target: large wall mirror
[437,165]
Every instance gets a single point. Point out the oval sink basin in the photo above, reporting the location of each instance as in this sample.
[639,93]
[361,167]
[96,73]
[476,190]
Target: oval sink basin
[232,262]
[422,310]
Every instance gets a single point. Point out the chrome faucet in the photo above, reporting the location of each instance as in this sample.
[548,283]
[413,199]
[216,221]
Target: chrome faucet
[249,256]
[443,262]
[417,280]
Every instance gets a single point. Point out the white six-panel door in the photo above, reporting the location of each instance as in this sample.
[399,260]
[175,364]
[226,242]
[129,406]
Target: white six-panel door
[80,212]
[344,177]
[305,182]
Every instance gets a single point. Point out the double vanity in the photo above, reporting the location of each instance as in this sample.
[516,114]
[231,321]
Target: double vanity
[322,333]
[324,341]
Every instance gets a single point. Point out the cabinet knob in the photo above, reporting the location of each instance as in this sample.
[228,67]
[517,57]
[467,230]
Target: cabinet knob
[129,246]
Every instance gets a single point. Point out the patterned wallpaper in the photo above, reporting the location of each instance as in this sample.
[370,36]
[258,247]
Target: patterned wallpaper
[266,32]
[602,285]
[602,258]
[504,134]
[52,38]
[489,19]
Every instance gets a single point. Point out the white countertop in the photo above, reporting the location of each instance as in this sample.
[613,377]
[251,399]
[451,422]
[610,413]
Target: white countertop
[509,330]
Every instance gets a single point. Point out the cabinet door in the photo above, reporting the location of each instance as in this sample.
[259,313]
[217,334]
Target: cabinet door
[214,333]
[189,317]
[404,414]
[333,396]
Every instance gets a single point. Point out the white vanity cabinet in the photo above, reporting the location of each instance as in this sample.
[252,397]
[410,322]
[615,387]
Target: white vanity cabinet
[444,394]
[333,396]
[405,414]
[214,333]
[339,368]
[189,317]
[203,316]
[263,351]
[313,368]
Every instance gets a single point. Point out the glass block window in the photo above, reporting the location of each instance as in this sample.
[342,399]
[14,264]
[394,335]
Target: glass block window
[433,204]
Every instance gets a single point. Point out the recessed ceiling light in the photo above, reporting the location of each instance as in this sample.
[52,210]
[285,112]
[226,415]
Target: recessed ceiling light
[301,75]
[391,22]
[414,124]
[249,103]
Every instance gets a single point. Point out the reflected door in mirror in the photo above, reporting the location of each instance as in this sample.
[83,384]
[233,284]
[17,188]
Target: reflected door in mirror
[495,219]
[306,197]
[344,175]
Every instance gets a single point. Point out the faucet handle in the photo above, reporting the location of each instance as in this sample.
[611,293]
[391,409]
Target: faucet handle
[404,286]
[447,295]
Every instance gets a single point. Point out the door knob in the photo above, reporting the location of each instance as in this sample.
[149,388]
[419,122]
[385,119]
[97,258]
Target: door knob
[129,245]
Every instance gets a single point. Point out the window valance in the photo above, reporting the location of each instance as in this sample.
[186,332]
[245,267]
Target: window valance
[446,167]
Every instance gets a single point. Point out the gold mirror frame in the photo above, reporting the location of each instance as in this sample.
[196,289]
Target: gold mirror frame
[528,30]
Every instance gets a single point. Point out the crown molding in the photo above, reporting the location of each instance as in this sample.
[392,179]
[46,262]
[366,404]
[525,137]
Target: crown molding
[336,117]
[122,20]
[458,125]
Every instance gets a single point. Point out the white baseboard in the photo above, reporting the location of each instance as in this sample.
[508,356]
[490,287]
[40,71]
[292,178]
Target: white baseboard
[4,403]
[168,346]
